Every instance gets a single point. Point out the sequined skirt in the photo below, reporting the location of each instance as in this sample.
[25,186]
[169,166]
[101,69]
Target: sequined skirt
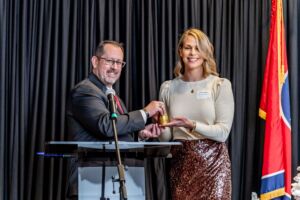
[200,170]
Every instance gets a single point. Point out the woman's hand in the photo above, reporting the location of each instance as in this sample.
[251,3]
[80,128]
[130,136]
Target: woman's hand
[180,122]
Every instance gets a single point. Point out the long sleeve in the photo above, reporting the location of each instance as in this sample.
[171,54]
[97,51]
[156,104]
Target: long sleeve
[224,109]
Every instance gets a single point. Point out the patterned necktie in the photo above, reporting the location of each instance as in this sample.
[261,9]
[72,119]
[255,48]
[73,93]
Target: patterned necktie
[119,107]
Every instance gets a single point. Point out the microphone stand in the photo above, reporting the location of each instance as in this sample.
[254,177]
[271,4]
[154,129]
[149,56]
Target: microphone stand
[122,188]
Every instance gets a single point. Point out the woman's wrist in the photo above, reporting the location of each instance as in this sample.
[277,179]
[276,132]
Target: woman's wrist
[192,129]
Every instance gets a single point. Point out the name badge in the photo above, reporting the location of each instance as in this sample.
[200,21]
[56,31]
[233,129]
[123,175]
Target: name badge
[202,95]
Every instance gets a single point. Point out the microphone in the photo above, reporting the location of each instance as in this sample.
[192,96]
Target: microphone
[110,93]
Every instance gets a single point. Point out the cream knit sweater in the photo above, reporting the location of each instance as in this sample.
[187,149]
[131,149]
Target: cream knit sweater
[208,102]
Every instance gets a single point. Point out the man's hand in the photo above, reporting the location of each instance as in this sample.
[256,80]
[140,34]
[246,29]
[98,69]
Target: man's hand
[150,131]
[155,108]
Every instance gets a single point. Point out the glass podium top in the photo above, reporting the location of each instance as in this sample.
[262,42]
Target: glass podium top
[106,149]
[110,145]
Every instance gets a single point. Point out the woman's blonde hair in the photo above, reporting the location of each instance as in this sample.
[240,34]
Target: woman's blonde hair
[206,49]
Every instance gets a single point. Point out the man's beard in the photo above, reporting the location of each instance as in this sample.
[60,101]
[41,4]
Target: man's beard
[110,80]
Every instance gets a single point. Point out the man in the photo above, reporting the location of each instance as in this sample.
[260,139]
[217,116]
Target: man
[88,114]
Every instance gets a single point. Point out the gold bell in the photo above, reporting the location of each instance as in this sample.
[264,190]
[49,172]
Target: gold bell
[163,119]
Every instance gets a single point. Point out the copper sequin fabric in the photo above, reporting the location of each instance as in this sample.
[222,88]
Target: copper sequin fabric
[200,170]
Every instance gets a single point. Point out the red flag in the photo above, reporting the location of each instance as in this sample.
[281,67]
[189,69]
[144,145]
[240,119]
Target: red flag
[275,109]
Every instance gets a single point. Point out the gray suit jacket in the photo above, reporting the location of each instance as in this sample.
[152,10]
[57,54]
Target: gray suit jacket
[88,119]
[88,115]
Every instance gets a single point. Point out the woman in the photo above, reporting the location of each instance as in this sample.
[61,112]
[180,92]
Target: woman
[201,108]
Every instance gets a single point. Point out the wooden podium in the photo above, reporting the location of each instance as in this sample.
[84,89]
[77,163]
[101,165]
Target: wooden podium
[97,171]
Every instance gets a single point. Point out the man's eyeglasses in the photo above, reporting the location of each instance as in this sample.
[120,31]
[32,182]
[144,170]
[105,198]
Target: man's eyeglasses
[111,62]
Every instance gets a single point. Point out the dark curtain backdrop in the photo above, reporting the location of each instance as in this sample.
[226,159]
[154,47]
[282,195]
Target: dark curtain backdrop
[46,47]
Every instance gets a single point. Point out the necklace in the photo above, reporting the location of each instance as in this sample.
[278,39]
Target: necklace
[190,87]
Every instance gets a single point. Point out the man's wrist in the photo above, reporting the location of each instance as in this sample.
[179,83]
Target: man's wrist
[141,136]
[147,113]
